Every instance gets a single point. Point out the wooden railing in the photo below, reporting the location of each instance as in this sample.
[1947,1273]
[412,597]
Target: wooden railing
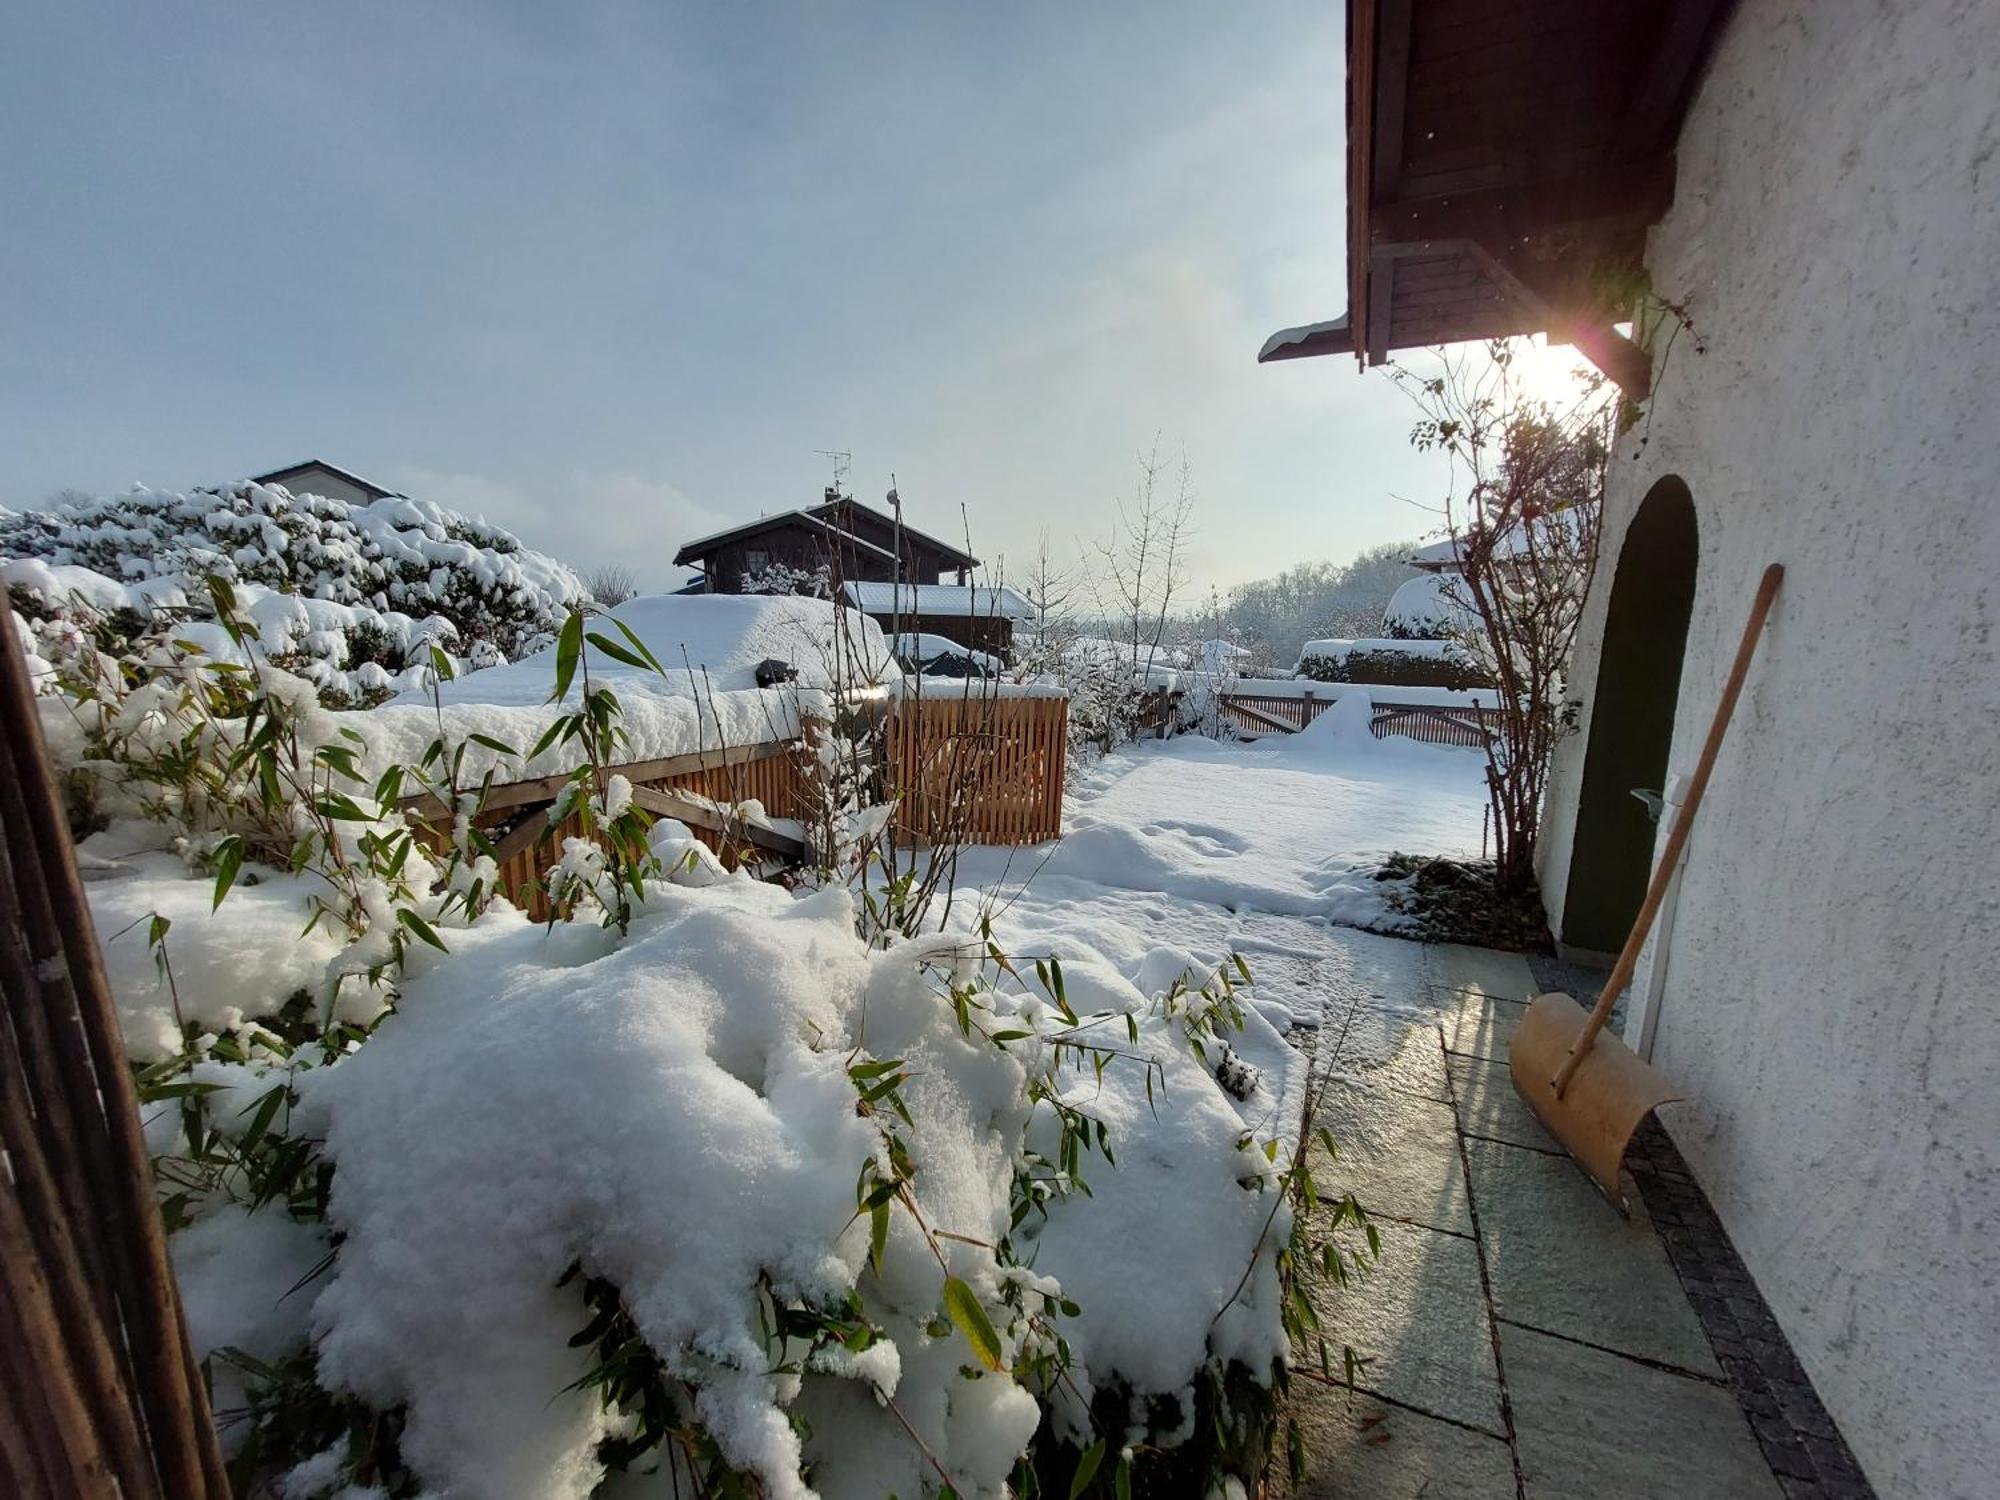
[1265,713]
[984,769]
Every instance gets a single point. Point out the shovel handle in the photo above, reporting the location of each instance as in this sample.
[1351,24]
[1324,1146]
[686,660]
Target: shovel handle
[1677,836]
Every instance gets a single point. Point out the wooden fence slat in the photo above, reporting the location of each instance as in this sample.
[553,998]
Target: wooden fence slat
[83,1254]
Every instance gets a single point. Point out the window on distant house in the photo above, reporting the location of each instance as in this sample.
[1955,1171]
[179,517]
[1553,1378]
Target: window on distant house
[755,559]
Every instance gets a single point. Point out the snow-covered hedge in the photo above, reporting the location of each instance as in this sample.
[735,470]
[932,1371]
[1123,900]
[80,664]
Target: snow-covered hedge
[1389,662]
[352,597]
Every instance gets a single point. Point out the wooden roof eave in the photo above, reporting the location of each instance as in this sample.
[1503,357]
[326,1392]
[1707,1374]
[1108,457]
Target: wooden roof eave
[1478,240]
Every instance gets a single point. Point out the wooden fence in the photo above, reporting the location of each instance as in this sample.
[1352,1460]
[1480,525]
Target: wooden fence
[985,769]
[1260,713]
[991,768]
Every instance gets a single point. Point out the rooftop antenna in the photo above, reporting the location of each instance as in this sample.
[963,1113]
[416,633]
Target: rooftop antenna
[843,464]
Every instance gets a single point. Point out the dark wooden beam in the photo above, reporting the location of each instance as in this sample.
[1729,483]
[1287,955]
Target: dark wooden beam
[699,812]
[1361,33]
[1641,192]
[1392,92]
[1381,308]
[1663,90]
[1617,356]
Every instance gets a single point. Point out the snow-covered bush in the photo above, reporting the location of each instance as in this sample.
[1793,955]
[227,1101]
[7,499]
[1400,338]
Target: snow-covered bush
[1393,662]
[351,597]
[693,1184]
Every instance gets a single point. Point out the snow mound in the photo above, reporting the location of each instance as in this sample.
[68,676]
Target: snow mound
[1430,607]
[707,642]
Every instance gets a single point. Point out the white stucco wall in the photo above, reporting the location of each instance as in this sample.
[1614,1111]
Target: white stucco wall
[1831,1001]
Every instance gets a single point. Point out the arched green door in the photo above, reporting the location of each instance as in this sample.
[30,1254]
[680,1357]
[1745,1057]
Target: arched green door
[1632,718]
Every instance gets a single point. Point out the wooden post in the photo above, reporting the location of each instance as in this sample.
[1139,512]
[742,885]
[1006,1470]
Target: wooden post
[103,1394]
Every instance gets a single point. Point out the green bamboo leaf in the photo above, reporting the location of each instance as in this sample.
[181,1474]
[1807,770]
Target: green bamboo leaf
[961,1304]
[569,651]
[421,928]
[441,664]
[1086,1469]
[228,860]
[878,1235]
[613,650]
[638,645]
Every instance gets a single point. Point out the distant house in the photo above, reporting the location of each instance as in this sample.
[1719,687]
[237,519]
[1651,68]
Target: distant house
[976,617]
[853,542]
[317,477]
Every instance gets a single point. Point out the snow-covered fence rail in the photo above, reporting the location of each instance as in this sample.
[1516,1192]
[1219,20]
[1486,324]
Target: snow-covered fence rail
[702,787]
[979,767]
[1438,716]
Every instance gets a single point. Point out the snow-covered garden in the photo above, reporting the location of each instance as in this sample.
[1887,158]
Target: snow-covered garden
[868,1183]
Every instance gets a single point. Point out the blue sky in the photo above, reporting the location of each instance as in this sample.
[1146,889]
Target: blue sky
[611,273]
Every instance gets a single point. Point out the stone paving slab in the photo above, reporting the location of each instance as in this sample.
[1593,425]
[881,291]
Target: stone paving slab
[1360,1447]
[1398,1154]
[1390,1049]
[1589,1425]
[1454,967]
[1560,1259]
[1482,1027]
[1489,1105]
[1419,1318]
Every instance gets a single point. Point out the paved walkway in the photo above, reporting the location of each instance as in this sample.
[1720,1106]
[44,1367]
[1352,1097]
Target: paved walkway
[1521,1341]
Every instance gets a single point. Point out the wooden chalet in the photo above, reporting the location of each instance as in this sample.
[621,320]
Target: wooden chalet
[855,543]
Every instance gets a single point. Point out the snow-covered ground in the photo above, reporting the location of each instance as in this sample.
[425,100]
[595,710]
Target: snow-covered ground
[1179,852]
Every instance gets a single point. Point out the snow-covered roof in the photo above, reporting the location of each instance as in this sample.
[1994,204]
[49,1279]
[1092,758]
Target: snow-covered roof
[923,648]
[937,599]
[957,555]
[1442,557]
[285,475]
[702,545]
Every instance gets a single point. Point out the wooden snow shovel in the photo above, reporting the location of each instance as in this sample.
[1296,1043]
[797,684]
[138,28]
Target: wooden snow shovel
[1591,1092]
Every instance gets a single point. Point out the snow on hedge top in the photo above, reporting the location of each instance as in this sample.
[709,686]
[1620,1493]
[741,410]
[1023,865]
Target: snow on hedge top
[1429,606]
[707,642]
[392,556]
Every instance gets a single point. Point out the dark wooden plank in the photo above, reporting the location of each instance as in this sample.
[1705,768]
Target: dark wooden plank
[1392,81]
[544,788]
[665,802]
[1667,76]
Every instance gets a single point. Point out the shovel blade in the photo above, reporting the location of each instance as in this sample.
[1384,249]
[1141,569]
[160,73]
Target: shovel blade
[1607,1097]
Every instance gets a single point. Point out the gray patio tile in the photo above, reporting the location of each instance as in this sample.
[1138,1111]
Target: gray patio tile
[1390,1049]
[1561,1259]
[1398,1155]
[1419,1319]
[1456,967]
[1370,966]
[1590,1425]
[1488,1104]
[1482,1027]
[1355,1445]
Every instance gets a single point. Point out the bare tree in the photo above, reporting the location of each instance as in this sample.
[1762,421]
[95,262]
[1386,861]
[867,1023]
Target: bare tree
[611,585]
[1049,588]
[1523,503]
[1145,559]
